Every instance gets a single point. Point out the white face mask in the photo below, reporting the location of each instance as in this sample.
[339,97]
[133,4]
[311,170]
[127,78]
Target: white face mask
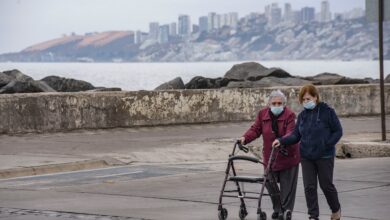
[276,110]
[309,105]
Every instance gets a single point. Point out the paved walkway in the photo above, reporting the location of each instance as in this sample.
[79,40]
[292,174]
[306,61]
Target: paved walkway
[160,144]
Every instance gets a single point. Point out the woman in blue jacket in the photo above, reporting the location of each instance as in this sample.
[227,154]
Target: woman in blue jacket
[318,129]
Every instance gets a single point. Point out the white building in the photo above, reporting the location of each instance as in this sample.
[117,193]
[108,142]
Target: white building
[276,14]
[184,25]
[325,14]
[273,14]
[154,28]
[138,37]
[203,24]
[163,36]
[288,13]
[233,19]
[212,21]
[173,29]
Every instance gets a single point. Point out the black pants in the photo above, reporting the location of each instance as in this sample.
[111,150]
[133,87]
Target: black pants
[288,186]
[321,169]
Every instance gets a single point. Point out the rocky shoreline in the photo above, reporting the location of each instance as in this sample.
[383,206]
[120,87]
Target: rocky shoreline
[243,75]
[254,75]
[14,81]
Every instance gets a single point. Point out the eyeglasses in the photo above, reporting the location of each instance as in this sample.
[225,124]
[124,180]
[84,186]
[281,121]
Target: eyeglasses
[276,103]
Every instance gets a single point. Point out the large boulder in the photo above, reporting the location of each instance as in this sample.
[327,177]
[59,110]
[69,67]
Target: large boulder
[240,72]
[371,80]
[334,79]
[17,75]
[29,86]
[270,82]
[253,71]
[17,82]
[4,79]
[62,84]
[176,83]
[199,82]
[271,72]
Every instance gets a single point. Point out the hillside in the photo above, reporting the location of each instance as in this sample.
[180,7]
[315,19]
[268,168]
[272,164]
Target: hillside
[253,39]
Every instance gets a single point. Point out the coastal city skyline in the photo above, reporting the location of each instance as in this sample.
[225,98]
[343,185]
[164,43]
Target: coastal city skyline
[274,13]
[29,22]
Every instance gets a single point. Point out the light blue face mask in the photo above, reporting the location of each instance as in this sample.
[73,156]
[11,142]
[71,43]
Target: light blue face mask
[309,105]
[276,110]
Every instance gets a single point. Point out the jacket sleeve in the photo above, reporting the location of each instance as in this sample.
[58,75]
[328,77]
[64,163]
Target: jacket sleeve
[254,131]
[336,131]
[293,137]
[290,124]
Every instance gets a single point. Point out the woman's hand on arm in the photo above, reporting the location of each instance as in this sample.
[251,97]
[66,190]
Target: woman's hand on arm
[276,143]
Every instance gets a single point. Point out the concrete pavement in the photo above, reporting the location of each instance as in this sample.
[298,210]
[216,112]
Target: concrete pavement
[57,152]
[169,172]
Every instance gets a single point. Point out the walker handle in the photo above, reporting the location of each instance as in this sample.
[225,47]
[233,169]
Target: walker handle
[242,147]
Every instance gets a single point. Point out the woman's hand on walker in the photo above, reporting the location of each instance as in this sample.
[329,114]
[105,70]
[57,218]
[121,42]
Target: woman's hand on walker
[242,140]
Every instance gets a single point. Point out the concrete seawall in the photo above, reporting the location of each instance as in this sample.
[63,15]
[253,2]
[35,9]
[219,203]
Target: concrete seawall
[51,112]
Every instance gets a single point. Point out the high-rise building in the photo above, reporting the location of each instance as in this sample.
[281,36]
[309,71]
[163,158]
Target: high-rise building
[217,21]
[325,14]
[195,28]
[163,36]
[154,28]
[184,25]
[203,24]
[138,39]
[224,20]
[173,29]
[288,13]
[296,16]
[355,13]
[212,21]
[276,14]
[233,19]
[307,14]
[273,14]
[267,12]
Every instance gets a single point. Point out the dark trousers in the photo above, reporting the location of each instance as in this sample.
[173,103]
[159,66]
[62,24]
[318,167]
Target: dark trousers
[288,186]
[321,169]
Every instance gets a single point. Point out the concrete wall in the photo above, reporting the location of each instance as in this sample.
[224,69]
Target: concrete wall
[50,112]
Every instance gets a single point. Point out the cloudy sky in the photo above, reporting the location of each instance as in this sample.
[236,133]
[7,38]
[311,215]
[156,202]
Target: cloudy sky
[27,22]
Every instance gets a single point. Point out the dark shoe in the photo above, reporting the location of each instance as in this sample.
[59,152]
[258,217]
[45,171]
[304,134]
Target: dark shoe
[336,215]
[275,215]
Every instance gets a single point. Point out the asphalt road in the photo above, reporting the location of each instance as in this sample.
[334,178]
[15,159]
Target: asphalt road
[178,191]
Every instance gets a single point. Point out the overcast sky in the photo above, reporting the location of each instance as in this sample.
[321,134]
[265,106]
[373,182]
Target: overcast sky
[27,22]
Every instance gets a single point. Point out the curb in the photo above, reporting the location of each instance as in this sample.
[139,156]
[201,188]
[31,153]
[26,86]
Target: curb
[363,149]
[349,149]
[53,168]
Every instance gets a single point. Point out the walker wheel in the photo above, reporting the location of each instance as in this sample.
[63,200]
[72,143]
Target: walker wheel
[222,214]
[287,215]
[262,216]
[242,213]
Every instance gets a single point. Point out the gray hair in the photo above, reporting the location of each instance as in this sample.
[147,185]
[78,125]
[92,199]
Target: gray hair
[277,93]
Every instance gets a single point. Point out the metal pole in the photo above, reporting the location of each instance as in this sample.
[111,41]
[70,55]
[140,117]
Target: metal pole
[382,85]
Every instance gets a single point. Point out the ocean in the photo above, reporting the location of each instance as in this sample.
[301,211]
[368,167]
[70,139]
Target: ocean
[147,76]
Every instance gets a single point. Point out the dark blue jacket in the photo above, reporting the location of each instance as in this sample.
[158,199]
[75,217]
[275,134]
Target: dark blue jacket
[318,131]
